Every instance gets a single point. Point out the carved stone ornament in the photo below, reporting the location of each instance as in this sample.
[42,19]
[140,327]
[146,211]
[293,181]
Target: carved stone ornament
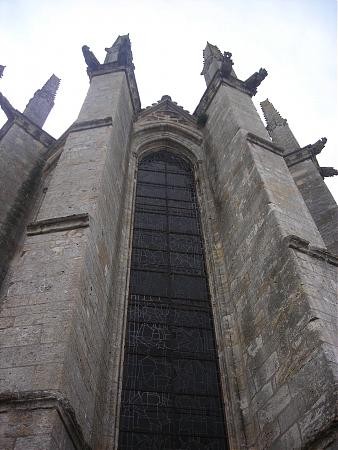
[91,60]
[120,53]
[255,80]
[317,147]
[328,171]
[227,64]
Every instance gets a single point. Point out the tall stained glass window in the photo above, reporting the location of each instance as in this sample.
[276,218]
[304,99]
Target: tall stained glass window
[171,393]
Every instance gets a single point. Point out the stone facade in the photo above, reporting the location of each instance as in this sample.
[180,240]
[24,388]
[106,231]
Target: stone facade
[66,246]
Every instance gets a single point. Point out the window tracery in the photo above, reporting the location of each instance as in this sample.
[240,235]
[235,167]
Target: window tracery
[171,395]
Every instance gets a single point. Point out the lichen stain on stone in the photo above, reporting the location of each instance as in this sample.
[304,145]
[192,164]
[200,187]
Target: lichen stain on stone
[255,346]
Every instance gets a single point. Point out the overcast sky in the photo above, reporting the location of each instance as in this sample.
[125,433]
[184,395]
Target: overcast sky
[295,40]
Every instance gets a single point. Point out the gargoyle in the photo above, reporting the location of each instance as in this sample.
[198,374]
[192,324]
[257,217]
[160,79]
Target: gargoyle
[2,68]
[255,80]
[7,108]
[91,60]
[328,172]
[317,147]
[227,64]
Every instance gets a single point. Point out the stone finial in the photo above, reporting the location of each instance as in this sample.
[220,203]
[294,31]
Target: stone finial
[255,80]
[91,60]
[328,171]
[120,52]
[214,61]
[2,68]
[210,53]
[278,127]
[271,115]
[39,107]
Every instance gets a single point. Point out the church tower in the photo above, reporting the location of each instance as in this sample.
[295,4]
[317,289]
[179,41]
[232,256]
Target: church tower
[168,280]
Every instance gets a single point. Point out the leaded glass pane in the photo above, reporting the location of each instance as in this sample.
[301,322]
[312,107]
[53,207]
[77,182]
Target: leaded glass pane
[171,394]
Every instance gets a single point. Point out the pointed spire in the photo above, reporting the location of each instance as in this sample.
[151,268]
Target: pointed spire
[210,51]
[41,104]
[278,127]
[120,52]
[271,115]
[2,68]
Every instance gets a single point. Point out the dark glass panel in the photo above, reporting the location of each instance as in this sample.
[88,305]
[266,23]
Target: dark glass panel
[146,176]
[149,283]
[150,221]
[144,258]
[175,179]
[147,373]
[154,165]
[180,205]
[186,195]
[184,286]
[150,239]
[185,243]
[179,224]
[187,263]
[144,202]
[151,190]
[171,394]
[165,313]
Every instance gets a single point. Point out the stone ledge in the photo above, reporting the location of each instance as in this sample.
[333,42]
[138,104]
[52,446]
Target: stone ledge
[254,139]
[297,156]
[88,124]
[58,224]
[29,400]
[29,127]
[34,130]
[304,246]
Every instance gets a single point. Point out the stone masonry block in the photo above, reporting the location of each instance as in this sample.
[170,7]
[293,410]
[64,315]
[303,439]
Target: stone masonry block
[274,406]
[267,370]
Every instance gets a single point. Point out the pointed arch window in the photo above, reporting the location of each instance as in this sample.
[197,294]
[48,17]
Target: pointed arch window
[171,394]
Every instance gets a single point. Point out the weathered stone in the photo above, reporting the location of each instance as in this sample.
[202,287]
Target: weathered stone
[272,282]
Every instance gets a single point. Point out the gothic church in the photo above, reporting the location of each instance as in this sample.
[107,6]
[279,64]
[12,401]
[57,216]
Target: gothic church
[168,280]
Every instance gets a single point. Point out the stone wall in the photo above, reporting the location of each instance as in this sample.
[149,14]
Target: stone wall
[56,314]
[273,286]
[319,201]
[22,157]
[275,314]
